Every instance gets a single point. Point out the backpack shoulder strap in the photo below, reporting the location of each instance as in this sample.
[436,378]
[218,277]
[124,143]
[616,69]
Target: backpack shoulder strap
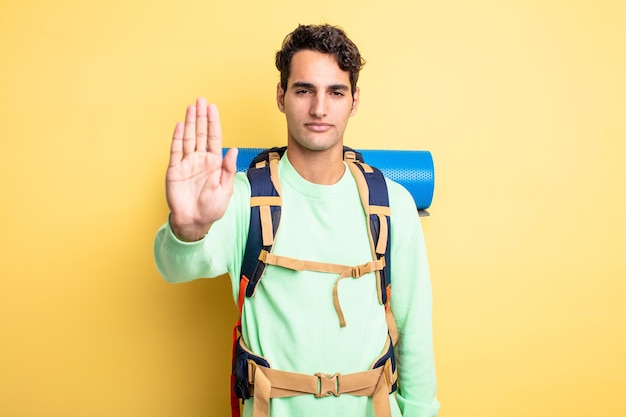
[375,200]
[265,209]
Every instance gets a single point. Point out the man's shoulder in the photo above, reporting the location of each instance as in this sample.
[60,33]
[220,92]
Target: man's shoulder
[398,191]
[241,190]
[241,181]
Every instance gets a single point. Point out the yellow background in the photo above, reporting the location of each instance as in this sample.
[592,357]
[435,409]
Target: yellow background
[522,104]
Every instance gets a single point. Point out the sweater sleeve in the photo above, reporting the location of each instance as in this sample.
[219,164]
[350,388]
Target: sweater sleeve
[411,303]
[218,253]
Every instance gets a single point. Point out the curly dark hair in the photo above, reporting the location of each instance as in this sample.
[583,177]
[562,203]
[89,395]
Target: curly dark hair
[320,38]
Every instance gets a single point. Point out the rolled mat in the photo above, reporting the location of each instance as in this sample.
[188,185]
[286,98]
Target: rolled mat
[412,169]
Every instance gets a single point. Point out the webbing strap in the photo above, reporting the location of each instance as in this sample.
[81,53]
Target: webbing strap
[381,212]
[266,383]
[267,227]
[264,202]
[344,271]
[274,158]
[381,245]
[378,247]
[362,186]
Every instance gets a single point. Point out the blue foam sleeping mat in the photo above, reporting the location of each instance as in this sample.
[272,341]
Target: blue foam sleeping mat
[413,169]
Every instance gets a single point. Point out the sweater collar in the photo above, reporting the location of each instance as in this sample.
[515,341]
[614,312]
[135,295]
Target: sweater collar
[289,175]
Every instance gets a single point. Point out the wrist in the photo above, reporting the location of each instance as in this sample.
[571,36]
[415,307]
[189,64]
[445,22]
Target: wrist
[187,232]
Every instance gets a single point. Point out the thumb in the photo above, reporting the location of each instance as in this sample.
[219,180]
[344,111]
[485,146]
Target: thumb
[229,167]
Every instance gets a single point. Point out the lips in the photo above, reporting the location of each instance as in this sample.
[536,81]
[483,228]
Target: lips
[318,127]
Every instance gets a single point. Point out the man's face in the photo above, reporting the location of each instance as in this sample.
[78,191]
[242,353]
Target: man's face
[318,101]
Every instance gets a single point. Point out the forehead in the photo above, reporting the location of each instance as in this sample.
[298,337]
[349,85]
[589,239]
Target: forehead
[316,68]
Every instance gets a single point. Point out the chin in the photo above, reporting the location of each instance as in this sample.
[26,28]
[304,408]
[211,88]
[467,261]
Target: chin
[316,145]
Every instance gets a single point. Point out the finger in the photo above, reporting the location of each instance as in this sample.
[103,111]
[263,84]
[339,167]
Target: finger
[189,136]
[214,142]
[176,150]
[229,167]
[201,125]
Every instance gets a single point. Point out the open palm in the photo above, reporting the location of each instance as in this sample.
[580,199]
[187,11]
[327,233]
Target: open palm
[199,182]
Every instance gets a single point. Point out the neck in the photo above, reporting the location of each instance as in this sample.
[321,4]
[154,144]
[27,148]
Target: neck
[323,167]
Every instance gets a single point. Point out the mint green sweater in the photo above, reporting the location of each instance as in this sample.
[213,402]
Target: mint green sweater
[291,319]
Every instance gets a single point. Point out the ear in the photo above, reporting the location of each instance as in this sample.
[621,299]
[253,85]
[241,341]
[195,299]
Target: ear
[355,101]
[280,98]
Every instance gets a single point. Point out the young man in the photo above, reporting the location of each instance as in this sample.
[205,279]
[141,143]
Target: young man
[292,319]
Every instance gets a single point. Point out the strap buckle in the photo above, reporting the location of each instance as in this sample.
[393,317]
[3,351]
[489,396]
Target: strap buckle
[327,385]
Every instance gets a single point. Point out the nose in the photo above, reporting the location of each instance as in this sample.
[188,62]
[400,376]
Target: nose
[318,106]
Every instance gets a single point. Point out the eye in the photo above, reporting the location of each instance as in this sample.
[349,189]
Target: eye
[302,91]
[337,93]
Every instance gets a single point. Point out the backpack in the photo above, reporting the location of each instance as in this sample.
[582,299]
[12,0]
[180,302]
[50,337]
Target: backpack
[265,212]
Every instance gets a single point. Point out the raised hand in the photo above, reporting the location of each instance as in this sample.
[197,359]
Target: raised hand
[199,182]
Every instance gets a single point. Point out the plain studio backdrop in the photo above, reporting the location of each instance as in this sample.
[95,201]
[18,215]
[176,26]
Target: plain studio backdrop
[522,104]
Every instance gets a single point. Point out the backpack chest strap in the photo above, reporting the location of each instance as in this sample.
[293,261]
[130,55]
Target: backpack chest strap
[344,271]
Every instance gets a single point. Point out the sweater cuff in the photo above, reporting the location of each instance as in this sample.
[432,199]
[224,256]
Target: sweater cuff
[180,247]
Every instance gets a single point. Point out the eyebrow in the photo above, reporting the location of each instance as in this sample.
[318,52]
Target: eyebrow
[302,84]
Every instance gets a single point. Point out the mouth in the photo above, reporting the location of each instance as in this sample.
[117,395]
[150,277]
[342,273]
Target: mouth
[318,127]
